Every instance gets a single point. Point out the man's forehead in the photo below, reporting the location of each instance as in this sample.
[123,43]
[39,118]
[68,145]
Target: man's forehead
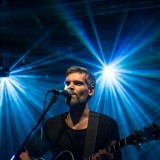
[76,76]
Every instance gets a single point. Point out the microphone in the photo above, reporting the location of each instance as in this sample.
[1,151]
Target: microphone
[67,93]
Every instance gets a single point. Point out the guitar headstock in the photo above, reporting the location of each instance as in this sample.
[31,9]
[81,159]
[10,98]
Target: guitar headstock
[143,136]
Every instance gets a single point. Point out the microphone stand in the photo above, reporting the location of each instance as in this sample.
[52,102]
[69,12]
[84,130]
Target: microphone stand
[22,147]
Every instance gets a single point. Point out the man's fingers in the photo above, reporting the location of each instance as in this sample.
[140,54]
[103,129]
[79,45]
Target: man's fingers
[102,153]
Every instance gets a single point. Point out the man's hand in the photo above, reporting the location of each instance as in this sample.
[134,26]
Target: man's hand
[103,153]
[24,156]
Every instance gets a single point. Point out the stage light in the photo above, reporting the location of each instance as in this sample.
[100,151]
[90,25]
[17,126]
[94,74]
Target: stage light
[109,72]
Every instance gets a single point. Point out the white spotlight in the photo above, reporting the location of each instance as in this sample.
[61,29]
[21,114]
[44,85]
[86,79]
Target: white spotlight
[109,72]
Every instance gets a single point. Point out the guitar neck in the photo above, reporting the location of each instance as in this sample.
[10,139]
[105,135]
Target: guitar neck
[142,136]
[117,146]
[114,148]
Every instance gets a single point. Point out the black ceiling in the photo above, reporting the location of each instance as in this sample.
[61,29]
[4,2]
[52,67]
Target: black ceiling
[36,28]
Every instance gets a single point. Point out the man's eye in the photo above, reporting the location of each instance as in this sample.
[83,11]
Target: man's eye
[78,83]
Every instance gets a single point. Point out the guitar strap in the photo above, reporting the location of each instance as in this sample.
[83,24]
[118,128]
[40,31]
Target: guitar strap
[91,134]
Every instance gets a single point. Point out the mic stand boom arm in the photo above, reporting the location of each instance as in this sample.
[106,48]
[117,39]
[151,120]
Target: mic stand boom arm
[22,147]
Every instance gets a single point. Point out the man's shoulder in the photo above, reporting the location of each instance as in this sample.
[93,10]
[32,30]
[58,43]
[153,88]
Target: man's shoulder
[104,118]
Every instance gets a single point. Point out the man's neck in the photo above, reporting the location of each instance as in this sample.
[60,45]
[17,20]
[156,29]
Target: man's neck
[78,117]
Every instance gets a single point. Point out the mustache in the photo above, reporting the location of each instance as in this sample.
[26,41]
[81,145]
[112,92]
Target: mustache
[74,93]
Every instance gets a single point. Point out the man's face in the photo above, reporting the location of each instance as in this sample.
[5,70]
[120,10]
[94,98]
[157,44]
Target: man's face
[80,91]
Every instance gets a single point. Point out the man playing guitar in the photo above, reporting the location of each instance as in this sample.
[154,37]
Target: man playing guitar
[66,133]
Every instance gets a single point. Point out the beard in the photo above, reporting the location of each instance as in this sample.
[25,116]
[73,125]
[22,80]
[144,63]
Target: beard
[76,101]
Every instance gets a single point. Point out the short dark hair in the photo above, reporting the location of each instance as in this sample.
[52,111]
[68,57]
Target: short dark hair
[90,79]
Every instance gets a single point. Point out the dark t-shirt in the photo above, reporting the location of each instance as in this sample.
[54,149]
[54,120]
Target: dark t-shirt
[57,137]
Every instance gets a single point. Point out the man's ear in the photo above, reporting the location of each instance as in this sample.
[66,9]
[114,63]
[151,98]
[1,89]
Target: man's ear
[91,91]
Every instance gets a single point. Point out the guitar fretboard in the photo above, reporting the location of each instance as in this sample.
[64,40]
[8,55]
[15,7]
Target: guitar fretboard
[114,148]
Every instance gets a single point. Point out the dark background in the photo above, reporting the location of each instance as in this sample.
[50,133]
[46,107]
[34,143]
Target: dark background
[40,39]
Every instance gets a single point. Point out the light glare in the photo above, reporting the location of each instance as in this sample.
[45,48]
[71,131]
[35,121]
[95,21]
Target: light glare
[109,72]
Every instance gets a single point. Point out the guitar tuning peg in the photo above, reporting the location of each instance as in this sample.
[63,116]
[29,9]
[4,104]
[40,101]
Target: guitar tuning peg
[139,146]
